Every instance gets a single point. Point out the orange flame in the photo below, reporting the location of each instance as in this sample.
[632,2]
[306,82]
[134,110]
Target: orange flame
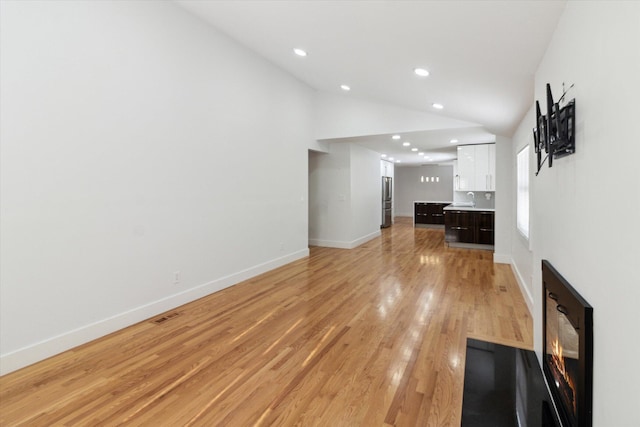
[558,360]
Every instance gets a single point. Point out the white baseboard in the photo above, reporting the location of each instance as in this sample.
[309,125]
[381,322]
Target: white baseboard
[36,352]
[341,244]
[528,298]
[501,258]
[329,243]
[365,239]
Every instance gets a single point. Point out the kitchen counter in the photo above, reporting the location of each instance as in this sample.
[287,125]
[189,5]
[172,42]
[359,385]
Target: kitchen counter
[429,213]
[468,208]
[448,202]
[469,227]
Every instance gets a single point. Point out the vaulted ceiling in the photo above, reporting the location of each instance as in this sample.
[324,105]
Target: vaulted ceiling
[481,55]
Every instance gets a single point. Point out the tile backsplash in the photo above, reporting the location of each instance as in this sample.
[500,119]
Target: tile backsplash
[480,198]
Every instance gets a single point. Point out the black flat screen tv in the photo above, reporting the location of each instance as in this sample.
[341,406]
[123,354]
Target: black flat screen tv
[554,133]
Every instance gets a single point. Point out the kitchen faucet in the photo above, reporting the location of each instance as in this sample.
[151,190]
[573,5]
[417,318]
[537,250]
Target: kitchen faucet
[473,197]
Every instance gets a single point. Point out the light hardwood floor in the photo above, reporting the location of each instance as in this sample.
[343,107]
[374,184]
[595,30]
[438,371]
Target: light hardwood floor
[372,336]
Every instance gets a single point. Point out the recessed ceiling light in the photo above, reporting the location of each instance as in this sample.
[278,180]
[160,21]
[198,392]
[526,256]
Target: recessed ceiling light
[437,106]
[414,149]
[395,137]
[420,154]
[398,161]
[421,72]
[390,158]
[345,88]
[383,155]
[453,141]
[299,52]
[406,144]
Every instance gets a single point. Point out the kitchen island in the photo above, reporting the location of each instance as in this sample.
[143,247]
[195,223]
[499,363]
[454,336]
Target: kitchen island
[469,227]
[429,214]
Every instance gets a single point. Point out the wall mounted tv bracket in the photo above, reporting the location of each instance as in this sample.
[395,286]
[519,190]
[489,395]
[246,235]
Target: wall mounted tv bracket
[555,132]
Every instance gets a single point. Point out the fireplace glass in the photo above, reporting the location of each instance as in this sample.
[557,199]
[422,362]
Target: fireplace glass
[567,348]
[562,356]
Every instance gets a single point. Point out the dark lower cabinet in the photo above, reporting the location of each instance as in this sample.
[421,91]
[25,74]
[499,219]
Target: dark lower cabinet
[429,213]
[459,227]
[435,213]
[469,227]
[484,228]
[420,213]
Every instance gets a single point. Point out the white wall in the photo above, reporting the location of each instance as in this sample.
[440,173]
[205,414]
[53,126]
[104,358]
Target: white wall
[366,193]
[503,200]
[409,188]
[387,169]
[136,142]
[585,208]
[329,195]
[521,256]
[345,192]
[341,116]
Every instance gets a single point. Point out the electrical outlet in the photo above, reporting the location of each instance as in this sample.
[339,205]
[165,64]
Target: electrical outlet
[176,277]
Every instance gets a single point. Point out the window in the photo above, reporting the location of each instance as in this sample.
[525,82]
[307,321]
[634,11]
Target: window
[522,197]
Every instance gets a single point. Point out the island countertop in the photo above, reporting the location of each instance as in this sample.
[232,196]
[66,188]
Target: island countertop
[467,208]
[448,202]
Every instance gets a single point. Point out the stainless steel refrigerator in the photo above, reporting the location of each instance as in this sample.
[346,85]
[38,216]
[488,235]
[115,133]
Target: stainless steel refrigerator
[386,201]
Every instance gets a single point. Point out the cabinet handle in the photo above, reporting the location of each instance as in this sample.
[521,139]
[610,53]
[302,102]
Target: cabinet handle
[486,229]
[459,228]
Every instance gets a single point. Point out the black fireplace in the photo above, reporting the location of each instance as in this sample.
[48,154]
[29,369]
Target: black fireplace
[567,348]
[505,387]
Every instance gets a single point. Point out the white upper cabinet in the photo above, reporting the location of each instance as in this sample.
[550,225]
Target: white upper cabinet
[492,167]
[476,168]
[466,179]
[456,181]
[386,168]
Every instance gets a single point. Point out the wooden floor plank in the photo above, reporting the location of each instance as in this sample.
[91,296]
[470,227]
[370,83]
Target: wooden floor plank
[370,336]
